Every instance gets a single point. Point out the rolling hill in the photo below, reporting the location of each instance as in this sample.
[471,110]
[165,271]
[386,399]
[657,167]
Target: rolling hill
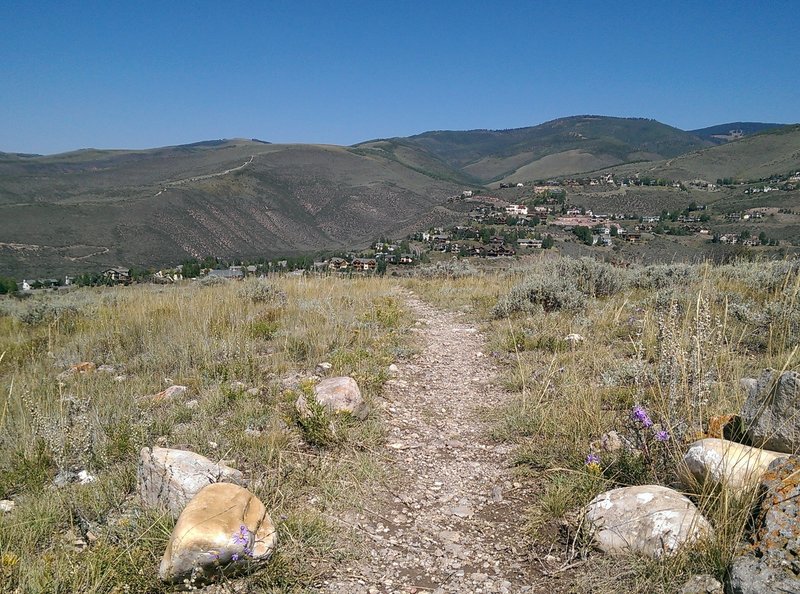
[89,209]
[559,147]
[775,151]
[722,133]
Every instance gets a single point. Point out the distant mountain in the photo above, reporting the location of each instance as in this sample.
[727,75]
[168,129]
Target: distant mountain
[91,208]
[235,198]
[559,147]
[775,151]
[722,133]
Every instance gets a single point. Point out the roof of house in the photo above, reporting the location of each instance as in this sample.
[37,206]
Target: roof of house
[226,273]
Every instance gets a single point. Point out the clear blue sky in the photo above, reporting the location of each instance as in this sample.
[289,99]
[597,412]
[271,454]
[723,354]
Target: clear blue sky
[139,74]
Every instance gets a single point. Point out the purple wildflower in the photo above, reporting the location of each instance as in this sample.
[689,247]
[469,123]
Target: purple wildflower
[662,436]
[242,537]
[592,459]
[235,557]
[640,414]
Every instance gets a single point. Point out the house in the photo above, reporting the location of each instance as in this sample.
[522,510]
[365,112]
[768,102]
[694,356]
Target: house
[252,269]
[466,194]
[516,209]
[25,285]
[229,273]
[118,275]
[338,264]
[499,251]
[633,237]
[364,264]
[529,243]
[406,258]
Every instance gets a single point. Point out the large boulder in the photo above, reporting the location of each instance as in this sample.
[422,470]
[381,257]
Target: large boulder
[223,530]
[170,478]
[771,413]
[771,562]
[718,462]
[647,519]
[336,395]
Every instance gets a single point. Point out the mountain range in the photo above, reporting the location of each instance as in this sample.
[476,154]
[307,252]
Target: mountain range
[248,198]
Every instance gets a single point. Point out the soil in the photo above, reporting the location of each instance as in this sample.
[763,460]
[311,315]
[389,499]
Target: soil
[451,517]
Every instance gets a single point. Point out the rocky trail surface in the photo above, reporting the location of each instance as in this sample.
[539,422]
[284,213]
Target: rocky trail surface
[451,516]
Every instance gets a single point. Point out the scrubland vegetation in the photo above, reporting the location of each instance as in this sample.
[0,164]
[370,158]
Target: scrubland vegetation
[268,336]
[669,342]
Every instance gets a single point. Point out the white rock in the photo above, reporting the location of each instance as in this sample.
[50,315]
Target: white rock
[648,519]
[574,338]
[393,369]
[337,395]
[721,462]
[170,478]
[323,368]
[85,478]
[7,505]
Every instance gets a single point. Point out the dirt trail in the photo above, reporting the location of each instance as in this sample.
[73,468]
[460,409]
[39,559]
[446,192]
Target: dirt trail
[453,519]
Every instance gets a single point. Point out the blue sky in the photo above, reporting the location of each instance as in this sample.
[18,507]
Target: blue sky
[142,74]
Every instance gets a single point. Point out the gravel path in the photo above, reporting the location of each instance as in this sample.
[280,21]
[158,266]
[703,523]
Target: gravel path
[452,519]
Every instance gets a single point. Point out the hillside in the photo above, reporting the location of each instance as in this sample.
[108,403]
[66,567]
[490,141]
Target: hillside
[722,133]
[769,153]
[88,209]
[559,147]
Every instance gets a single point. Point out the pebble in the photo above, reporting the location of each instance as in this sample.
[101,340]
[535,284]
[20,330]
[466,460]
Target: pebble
[7,505]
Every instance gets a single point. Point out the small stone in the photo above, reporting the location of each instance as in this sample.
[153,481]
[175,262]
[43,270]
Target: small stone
[169,393]
[462,511]
[393,369]
[107,369]
[120,378]
[85,478]
[337,395]
[254,392]
[497,494]
[323,368]
[702,584]
[7,505]
[192,404]
[574,338]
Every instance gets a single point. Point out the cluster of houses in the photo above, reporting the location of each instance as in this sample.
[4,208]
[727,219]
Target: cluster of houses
[735,238]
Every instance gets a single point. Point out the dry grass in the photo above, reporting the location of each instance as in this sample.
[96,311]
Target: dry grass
[266,335]
[674,339]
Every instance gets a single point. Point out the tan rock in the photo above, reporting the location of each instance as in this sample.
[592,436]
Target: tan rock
[169,393]
[647,519]
[84,367]
[337,395]
[718,462]
[224,529]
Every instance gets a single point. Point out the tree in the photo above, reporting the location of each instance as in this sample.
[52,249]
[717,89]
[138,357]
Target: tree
[547,242]
[7,285]
[584,234]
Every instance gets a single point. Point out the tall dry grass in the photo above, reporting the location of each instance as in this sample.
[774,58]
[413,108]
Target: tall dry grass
[242,349]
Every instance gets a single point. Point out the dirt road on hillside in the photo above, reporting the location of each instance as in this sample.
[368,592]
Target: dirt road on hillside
[452,521]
